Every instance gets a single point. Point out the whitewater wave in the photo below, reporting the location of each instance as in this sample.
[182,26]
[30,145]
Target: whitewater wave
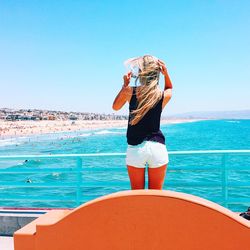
[233,121]
[86,135]
[120,128]
[104,132]
[22,137]
[9,142]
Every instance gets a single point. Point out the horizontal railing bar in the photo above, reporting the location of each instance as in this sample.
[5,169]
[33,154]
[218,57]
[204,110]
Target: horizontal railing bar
[14,157]
[168,184]
[123,168]
[200,168]
[88,184]
[121,183]
[243,151]
[40,198]
[62,170]
[39,170]
[86,169]
[29,185]
[9,157]
[67,185]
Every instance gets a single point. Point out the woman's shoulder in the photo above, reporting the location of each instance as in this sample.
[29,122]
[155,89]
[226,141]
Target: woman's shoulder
[129,90]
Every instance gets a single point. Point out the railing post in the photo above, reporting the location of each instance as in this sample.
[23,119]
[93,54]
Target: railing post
[224,175]
[79,181]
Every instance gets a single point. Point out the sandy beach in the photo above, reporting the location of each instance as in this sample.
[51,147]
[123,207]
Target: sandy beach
[25,128]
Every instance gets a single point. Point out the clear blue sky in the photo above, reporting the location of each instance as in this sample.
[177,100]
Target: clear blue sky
[68,55]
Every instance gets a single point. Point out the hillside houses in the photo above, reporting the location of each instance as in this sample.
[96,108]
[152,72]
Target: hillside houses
[36,115]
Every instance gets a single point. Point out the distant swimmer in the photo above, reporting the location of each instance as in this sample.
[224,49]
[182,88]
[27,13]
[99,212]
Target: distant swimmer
[29,181]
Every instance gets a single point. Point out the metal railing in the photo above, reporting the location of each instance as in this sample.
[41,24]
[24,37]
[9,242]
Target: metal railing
[77,183]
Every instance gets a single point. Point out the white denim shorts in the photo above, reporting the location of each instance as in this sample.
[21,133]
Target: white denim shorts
[154,154]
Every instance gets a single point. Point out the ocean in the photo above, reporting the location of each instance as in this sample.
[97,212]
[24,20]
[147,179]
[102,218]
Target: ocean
[104,175]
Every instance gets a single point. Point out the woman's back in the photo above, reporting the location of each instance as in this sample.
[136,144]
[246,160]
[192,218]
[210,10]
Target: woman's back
[148,128]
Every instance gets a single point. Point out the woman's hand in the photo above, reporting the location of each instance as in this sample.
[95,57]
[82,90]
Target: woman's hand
[163,68]
[126,79]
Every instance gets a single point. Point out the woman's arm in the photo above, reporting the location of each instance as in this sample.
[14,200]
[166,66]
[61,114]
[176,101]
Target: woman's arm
[168,84]
[124,94]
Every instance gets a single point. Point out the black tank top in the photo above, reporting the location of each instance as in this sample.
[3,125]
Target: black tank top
[148,128]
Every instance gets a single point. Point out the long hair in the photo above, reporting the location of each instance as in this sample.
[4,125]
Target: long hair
[149,93]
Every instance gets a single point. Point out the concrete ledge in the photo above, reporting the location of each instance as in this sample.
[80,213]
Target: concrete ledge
[12,220]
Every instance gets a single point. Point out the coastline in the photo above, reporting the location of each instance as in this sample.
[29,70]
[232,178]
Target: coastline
[12,129]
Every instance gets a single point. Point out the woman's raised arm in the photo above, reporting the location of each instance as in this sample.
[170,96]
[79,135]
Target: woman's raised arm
[125,93]
[168,84]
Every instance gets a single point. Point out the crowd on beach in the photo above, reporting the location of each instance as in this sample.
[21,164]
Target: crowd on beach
[25,122]
[26,128]
[22,128]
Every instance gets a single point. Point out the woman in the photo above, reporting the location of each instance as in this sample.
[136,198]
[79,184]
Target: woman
[146,143]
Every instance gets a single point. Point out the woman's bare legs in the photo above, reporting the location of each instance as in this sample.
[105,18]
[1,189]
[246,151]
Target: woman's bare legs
[156,177]
[137,177]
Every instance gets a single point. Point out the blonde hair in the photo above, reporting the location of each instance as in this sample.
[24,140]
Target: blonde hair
[149,93]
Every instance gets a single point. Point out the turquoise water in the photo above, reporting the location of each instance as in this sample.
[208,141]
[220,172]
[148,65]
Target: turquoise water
[111,171]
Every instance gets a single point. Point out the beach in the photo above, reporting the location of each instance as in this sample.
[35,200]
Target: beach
[26,128]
